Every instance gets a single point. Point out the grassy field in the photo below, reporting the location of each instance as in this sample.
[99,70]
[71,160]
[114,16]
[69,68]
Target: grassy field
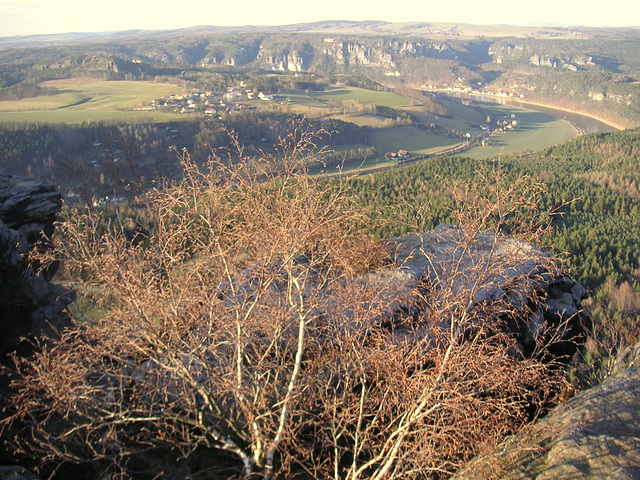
[371,121]
[362,96]
[366,164]
[416,141]
[536,131]
[77,101]
[461,118]
[301,98]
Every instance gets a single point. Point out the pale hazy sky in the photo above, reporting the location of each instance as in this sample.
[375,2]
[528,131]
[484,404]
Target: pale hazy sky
[23,17]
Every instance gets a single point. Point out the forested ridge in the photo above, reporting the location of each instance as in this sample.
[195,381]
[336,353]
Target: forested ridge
[590,187]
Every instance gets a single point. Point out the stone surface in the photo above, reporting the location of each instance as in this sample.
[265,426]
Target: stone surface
[31,303]
[14,472]
[537,297]
[28,206]
[595,435]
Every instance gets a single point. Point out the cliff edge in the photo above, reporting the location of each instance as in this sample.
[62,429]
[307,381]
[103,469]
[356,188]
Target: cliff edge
[595,435]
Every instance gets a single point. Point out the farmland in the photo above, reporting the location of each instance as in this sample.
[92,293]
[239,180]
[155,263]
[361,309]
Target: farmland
[536,131]
[363,97]
[404,124]
[77,101]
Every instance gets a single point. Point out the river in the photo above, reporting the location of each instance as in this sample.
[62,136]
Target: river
[583,122]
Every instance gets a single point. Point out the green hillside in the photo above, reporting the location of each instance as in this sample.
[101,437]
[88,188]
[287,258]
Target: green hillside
[75,102]
[591,184]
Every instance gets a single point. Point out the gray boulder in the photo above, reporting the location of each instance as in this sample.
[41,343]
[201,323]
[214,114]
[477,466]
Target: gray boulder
[31,303]
[15,472]
[537,299]
[28,207]
[594,435]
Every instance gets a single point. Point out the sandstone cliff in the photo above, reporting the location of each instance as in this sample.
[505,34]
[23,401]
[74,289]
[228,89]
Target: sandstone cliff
[31,303]
[593,436]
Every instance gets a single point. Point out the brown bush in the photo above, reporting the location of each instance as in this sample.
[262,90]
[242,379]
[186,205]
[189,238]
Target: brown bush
[243,335]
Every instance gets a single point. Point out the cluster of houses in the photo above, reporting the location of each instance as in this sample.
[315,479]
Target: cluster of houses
[472,90]
[399,155]
[208,102]
[185,102]
[503,124]
[507,122]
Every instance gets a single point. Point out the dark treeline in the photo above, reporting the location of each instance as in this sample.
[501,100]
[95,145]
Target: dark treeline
[122,160]
[24,90]
[93,160]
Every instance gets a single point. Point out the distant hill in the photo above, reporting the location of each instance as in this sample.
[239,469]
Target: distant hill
[592,70]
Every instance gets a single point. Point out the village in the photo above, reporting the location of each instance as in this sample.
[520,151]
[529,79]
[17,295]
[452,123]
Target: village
[209,103]
[470,90]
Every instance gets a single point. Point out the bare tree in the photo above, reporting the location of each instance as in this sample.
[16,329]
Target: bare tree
[207,320]
[418,399]
[248,331]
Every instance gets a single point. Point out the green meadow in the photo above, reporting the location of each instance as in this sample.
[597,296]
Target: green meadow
[76,102]
[363,97]
[536,131]
[414,140]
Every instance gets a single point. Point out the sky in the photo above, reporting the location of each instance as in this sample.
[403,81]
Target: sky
[26,17]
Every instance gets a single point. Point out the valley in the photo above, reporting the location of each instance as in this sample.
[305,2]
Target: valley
[341,250]
[404,124]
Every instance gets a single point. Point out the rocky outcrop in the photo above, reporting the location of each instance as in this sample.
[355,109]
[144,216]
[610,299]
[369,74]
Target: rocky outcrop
[28,207]
[31,303]
[15,472]
[537,301]
[502,284]
[593,436]
[305,53]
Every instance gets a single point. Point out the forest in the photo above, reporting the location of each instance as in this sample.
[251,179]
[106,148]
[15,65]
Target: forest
[589,189]
[122,160]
